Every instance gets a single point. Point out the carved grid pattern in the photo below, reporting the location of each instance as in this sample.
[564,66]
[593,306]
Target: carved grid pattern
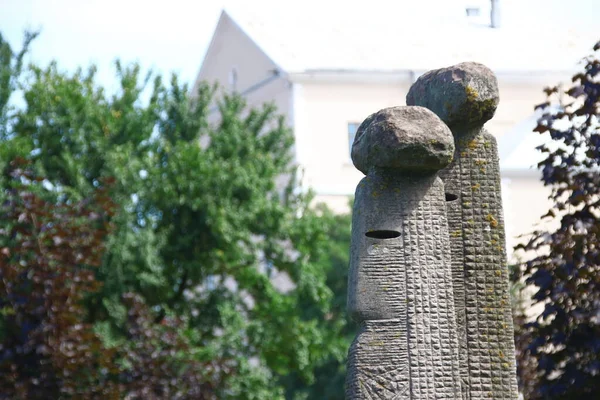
[378,362]
[431,320]
[410,279]
[477,240]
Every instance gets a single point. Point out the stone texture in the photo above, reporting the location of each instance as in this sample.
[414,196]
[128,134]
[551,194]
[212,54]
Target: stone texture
[464,95]
[477,237]
[410,138]
[400,280]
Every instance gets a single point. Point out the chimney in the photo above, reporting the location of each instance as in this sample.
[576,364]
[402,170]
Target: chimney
[495,14]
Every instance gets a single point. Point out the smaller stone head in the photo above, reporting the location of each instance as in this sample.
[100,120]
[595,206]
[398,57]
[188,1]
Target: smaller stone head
[463,95]
[400,149]
[403,138]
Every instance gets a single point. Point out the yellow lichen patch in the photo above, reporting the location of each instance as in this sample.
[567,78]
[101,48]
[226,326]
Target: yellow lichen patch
[476,186]
[498,273]
[456,233]
[473,144]
[479,108]
[375,194]
[472,93]
[463,154]
[493,222]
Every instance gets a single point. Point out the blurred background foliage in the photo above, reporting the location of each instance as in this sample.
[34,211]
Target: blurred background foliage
[136,263]
[559,349]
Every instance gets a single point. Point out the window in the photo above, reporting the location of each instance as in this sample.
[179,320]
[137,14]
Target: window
[233,79]
[473,11]
[352,128]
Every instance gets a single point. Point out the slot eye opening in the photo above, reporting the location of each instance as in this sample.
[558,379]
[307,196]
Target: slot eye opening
[451,197]
[382,234]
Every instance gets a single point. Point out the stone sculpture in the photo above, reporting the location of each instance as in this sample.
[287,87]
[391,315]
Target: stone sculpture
[465,96]
[400,281]
[428,281]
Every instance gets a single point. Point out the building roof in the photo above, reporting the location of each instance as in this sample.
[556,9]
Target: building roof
[535,35]
[384,36]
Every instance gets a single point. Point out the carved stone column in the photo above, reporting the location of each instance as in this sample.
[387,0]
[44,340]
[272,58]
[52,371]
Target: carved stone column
[465,96]
[400,280]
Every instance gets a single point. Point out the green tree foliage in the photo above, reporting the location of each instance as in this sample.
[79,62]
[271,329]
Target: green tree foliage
[564,341]
[333,257]
[49,252]
[11,67]
[199,234]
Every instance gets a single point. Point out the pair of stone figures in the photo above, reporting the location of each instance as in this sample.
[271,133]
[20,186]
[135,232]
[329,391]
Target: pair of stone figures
[428,280]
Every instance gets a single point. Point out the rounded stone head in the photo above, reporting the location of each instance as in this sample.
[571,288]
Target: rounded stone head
[463,95]
[405,138]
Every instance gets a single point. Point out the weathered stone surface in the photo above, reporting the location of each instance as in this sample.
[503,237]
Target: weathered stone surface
[411,138]
[477,237]
[400,280]
[463,95]
[400,290]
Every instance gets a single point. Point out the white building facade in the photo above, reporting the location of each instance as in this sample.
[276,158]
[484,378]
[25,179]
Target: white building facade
[327,74]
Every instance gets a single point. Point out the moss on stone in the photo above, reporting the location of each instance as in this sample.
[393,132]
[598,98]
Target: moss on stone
[456,233]
[473,144]
[493,222]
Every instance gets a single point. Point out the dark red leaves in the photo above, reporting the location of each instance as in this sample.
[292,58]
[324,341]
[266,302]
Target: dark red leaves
[48,255]
[559,352]
[48,252]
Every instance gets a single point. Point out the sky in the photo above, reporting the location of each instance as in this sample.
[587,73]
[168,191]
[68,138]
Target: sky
[173,35]
[164,35]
